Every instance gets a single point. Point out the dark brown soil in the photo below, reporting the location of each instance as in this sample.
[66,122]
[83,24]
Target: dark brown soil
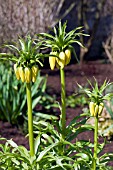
[74,74]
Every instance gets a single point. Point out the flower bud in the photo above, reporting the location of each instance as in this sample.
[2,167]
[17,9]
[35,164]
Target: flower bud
[96,110]
[52,60]
[27,75]
[16,70]
[68,56]
[61,60]
[34,72]
[101,106]
[21,73]
[92,108]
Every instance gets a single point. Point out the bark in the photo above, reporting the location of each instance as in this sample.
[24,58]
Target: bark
[21,17]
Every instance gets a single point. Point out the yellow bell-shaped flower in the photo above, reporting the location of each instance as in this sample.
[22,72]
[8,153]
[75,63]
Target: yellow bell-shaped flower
[27,75]
[52,60]
[101,106]
[68,56]
[92,108]
[16,70]
[21,73]
[61,59]
[34,72]
[96,110]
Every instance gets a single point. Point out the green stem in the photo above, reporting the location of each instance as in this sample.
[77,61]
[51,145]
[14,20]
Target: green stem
[63,102]
[95,143]
[30,119]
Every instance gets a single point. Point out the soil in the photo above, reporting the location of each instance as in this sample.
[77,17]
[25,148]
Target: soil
[74,74]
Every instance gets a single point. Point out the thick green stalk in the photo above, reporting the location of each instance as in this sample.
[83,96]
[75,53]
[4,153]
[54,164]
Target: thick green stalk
[63,102]
[30,119]
[95,143]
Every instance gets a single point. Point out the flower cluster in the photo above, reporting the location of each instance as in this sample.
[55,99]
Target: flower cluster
[26,74]
[61,59]
[61,44]
[95,109]
[97,97]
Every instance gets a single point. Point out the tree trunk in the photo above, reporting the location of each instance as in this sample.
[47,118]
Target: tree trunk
[21,17]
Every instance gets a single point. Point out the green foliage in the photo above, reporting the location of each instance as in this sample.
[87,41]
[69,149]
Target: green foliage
[11,94]
[27,53]
[52,152]
[13,157]
[48,102]
[63,155]
[76,100]
[96,93]
[13,98]
[61,39]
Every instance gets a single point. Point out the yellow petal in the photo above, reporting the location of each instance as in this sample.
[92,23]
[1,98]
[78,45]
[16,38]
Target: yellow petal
[61,60]
[101,106]
[96,110]
[34,72]
[21,73]
[16,70]
[92,108]
[52,60]
[27,75]
[33,78]
[35,69]
[68,56]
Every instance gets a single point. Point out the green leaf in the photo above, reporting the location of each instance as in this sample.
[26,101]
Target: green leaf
[83,155]
[76,118]
[48,138]
[106,158]
[23,45]
[37,143]
[12,143]
[24,152]
[35,102]
[12,47]
[80,129]
[45,151]
[46,35]
[45,116]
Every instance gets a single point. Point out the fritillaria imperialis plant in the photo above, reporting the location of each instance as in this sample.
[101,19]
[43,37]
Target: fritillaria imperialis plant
[61,48]
[26,70]
[96,105]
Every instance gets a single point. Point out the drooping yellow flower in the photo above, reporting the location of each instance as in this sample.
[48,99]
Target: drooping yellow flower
[96,110]
[61,59]
[101,106]
[16,70]
[68,56]
[52,60]
[21,73]
[27,75]
[92,108]
[34,72]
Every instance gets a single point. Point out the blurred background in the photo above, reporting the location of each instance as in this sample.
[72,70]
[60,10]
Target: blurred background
[34,16]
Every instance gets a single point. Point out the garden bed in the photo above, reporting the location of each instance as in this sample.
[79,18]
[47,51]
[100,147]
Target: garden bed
[74,74]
